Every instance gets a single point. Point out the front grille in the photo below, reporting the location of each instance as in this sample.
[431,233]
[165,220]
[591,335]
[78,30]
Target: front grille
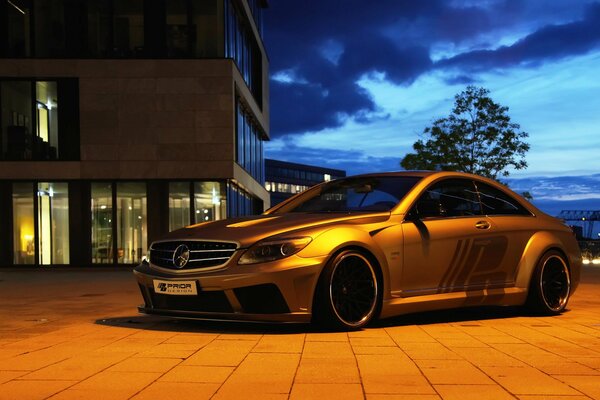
[202,254]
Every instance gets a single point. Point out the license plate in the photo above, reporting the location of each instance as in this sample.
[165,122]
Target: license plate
[181,288]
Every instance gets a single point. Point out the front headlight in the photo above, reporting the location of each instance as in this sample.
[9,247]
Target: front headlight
[271,250]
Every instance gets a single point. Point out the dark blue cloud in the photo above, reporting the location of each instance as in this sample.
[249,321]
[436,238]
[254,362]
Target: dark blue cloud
[548,43]
[396,38]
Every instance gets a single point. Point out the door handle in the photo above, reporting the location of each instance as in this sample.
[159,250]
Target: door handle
[482,225]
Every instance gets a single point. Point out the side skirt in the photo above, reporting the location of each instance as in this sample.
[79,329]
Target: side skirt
[486,297]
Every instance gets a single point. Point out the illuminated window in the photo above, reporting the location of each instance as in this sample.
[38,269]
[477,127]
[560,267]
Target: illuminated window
[23,223]
[102,223]
[131,222]
[210,201]
[179,205]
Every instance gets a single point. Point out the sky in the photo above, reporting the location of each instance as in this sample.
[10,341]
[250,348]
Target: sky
[354,83]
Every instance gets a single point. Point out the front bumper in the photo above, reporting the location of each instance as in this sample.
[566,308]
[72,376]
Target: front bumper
[278,291]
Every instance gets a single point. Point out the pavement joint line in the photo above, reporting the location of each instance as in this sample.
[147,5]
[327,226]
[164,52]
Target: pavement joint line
[235,368]
[298,367]
[360,377]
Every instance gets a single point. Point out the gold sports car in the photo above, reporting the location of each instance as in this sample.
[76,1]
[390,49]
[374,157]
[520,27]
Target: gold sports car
[372,246]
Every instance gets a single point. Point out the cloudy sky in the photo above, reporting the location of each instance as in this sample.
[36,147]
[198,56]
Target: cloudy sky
[354,83]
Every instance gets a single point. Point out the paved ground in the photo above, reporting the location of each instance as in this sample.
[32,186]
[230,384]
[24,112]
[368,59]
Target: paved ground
[70,334]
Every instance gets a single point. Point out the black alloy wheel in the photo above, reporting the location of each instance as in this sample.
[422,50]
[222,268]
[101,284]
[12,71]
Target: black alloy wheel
[551,285]
[349,292]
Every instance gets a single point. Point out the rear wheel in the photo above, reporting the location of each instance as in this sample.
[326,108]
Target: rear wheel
[550,285]
[348,294]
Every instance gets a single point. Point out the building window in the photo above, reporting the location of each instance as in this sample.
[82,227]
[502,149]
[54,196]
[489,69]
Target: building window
[249,146]
[40,223]
[113,28]
[256,10]
[210,201]
[53,223]
[179,205]
[240,203]
[131,217]
[241,46]
[37,123]
[23,223]
[18,20]
[131,222]
[102,223]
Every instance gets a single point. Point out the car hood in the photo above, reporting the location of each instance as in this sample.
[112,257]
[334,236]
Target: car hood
[248,230]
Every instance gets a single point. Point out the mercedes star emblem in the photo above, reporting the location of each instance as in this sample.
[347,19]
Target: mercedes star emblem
[181,256]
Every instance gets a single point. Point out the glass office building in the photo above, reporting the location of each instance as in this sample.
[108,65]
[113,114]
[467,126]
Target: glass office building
[121,120]
[284,179]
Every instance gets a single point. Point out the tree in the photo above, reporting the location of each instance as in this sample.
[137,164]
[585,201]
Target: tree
[477,137]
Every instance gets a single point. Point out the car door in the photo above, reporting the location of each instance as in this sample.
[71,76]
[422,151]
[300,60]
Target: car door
[448,244]
[510,219]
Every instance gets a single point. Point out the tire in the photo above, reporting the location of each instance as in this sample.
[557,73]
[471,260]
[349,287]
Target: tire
[348,295]
[550,285]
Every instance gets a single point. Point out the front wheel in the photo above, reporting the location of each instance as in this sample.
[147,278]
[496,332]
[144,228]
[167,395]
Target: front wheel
[348,294]
[550,285]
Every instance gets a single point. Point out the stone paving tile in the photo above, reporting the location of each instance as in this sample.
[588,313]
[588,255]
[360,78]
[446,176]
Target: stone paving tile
[221,353]
[527,380]
[178,390]
[452,372]
[35,360]
[74,369]
[280,344]
[371,396]
[488,357]
[337,350]
[377,350]
[409,334]
[327,337]
[261,375]
[181,350]
[592,362]
[461,342]
[499,339]
[201,339]
[472,392]
[112,385]
[428,351]
[333,391]
[145,364]
[533,397]
[197,374]
[381,341]
[586,385]
[6,376]
[32,390]
[327,370]
[391,374]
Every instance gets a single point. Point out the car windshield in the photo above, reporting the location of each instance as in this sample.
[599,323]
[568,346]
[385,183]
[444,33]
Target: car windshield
[360,194]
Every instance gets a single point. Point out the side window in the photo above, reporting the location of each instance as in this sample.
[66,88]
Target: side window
[496,202]
[448,198]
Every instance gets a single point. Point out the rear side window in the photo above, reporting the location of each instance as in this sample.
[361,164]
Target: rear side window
[449,198]
[496,202]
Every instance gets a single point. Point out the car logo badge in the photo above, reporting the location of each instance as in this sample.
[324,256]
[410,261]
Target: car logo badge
[181,256]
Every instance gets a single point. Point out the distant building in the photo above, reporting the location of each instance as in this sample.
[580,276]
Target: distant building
[122,120]
[285,179]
